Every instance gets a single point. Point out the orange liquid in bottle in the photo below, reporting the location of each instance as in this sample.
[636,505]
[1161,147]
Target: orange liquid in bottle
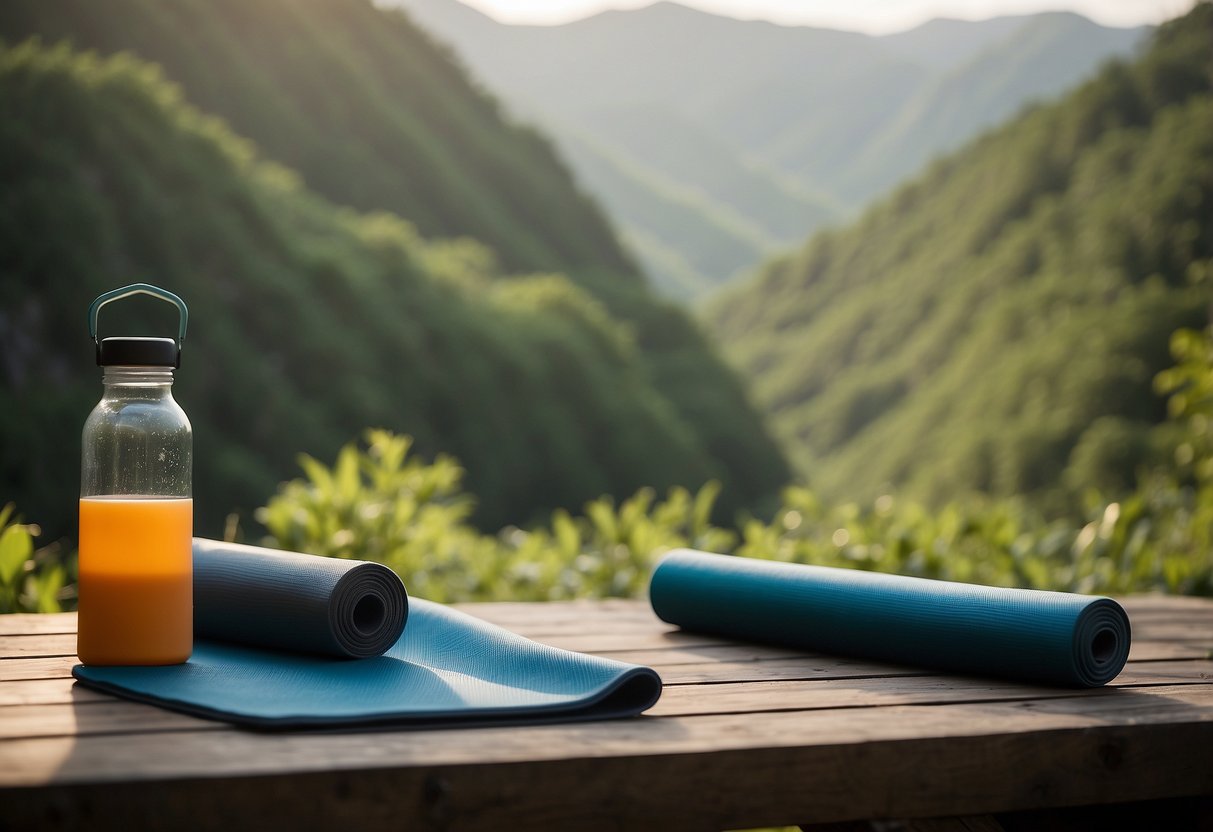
[136,580]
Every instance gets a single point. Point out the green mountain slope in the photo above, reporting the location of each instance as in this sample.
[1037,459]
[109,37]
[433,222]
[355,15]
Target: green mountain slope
[362,104]
[638,84]
[730,214]
[1047,53]
[310,322]
[684,237]
[788,128]
[1001,318]
[374,115]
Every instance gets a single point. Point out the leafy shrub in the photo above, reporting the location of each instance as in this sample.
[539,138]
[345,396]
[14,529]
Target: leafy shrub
[30,580]
[381,504]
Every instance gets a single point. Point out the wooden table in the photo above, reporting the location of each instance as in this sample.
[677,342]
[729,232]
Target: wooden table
[743,736]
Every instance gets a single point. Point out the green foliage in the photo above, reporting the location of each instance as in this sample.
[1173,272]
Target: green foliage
[310,321]
[1001,319]
[30,581]
[377,504]
[381,504]
[368,109]
[1189,385]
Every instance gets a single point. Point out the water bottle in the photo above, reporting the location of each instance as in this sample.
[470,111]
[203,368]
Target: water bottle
[136,506]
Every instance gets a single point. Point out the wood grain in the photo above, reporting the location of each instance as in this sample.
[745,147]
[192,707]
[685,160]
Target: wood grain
[718,771]
[73,710]
[229,751]
[744,735]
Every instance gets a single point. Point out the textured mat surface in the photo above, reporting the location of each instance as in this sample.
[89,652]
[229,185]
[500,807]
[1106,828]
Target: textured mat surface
[288,601]
[1052,637]
[446,667]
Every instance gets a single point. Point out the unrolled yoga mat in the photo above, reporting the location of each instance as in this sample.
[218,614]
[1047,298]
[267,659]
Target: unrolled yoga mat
[1053,637]
[446,667]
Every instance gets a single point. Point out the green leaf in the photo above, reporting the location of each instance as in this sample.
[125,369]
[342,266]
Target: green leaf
[47,587]
[16,547]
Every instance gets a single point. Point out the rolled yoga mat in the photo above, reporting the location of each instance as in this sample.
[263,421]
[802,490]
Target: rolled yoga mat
[288,601]
[446,667]
[1053,637]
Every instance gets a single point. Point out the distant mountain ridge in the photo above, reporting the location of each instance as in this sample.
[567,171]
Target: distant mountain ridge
[995,325]
[812,123]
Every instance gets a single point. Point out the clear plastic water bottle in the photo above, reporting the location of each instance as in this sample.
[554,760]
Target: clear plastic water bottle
[136,510]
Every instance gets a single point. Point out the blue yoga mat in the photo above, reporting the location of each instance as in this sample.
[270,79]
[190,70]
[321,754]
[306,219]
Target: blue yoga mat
[1053,637]
[446,666]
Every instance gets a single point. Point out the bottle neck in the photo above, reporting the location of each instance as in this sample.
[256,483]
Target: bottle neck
[149,379]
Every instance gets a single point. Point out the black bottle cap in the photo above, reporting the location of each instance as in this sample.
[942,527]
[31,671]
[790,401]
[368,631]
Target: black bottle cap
[138,352]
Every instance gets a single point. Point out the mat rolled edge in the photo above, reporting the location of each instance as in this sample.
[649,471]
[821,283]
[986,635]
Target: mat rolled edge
[293,601]
[369,610]
[1102,637]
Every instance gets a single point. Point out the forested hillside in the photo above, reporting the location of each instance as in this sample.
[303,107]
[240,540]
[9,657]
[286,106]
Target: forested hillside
[714,142]
[996,324]
[362,104]
[372,114]
[311,322]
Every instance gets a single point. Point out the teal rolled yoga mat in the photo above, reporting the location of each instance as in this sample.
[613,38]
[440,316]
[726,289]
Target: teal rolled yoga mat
[1056,638]
[446,667]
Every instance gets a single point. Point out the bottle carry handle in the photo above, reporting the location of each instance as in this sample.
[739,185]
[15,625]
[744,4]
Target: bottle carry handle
[94,310]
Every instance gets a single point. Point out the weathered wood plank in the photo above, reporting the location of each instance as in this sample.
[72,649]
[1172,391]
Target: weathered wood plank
[109,716]
[63,690]
[29,624]
[223,752]
[58,708]
[717,771]
[798,695]
[41,668]
[1173,633]
[815,667]
[733,753]
[1202,611]
[1144,603]
[21,647]
[1154,651]
[658,793]
[746,651]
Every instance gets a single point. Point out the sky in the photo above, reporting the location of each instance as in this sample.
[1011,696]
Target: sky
[873,16]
